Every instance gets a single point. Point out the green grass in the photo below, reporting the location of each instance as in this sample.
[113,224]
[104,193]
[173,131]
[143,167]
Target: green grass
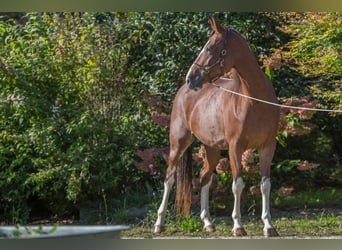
[307,226]
[305,214]
[313,226]
[315,198]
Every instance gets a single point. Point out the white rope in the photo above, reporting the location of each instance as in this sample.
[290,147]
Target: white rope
[276,104]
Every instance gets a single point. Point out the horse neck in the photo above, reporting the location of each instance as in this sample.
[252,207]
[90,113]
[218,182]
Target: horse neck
[246,64]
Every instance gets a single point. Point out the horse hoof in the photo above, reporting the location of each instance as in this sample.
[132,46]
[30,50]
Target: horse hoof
[210,228]
[159,229]
[271,232]
[239,232]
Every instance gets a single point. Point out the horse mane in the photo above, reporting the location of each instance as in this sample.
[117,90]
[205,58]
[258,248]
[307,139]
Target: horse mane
[238,34]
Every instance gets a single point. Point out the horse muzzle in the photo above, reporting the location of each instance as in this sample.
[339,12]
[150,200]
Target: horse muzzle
[194,81]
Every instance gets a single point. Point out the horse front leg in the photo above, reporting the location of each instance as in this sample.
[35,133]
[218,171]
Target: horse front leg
[237,188]
[235,154]
[265,187]
[266,156]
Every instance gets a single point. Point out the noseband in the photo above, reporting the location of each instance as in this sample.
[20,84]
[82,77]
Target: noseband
[219,61]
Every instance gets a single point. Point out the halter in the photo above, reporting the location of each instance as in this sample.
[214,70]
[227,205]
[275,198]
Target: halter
[219,61]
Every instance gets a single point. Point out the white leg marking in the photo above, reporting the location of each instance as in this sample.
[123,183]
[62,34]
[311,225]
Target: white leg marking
[265,187]
[237,188]
[205,215]
[163,206]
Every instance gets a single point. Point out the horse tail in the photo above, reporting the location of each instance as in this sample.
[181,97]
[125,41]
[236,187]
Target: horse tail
[184,184]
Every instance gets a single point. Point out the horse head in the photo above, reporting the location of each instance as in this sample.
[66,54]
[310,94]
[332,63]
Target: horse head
[212,61]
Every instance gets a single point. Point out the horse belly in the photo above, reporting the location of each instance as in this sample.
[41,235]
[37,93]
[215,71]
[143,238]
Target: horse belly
[213,140]
[208,127]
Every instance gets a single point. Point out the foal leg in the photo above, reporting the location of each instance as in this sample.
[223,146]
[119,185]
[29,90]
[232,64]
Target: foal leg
[266,155]
[210,162]
[235,155]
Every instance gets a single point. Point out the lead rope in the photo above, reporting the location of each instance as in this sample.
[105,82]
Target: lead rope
[275,104]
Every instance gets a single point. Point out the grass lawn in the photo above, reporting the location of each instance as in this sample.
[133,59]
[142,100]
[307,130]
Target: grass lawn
[323,225]
[300,215]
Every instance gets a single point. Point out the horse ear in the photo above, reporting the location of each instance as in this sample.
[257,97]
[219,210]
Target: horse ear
[215,25]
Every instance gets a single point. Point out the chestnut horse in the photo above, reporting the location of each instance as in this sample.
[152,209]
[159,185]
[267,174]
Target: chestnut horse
[223,120]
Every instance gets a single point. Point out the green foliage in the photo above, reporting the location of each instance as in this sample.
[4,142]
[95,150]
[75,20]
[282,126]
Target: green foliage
[319,43]
[310,199]
[192,224]
[64,118]
[311,67]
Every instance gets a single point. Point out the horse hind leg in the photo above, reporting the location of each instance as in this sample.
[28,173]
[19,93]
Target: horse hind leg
[168,183]
[211,159]
[266,156]
[176,152]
